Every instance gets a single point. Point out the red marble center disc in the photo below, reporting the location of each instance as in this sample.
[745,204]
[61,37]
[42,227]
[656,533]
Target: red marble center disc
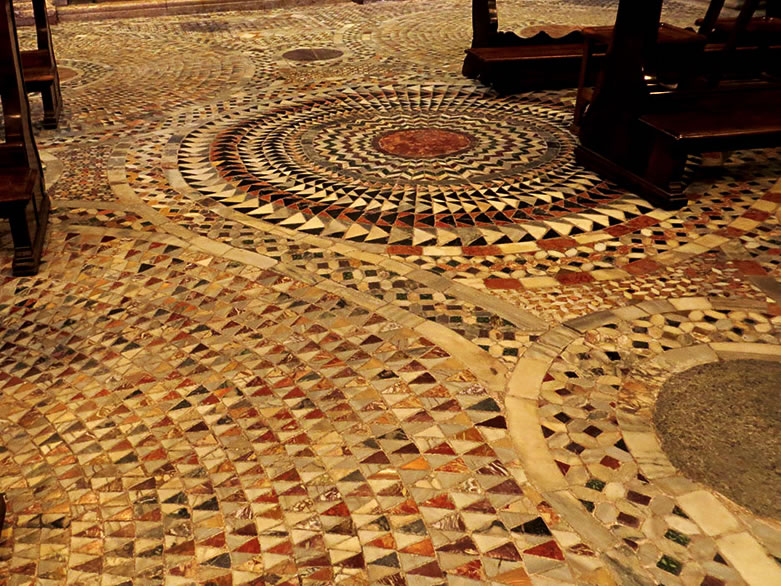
[423,143]
[67,73]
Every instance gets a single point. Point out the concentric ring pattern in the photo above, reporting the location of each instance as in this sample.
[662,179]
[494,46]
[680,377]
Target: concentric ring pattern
[317,164]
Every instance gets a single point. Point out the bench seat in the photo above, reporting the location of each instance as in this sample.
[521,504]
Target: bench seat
[686,123]
[516,68]
[17,185]
[37,68]
[722,121]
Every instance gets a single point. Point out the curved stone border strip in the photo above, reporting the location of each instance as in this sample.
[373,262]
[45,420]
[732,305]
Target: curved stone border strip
[490,370]
[522,319]
[52,168]
[646,516]
[367,253]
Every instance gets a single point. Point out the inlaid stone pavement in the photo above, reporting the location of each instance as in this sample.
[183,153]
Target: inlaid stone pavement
[314,309]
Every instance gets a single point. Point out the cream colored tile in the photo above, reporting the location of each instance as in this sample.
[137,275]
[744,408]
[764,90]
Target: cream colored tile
[708,512]
[539,282]
[609,274]
[527,377]
[524,428]
[691,303]
[710,241]
[744,224]
[765,205]
[680,359]
[750,559]
[736,350]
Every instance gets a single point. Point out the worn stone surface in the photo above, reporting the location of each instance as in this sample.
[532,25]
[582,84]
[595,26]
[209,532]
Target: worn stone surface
[720,424]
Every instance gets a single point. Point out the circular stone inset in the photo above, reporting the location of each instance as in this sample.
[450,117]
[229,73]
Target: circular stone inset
[423,143]
[312,54]
[720,424]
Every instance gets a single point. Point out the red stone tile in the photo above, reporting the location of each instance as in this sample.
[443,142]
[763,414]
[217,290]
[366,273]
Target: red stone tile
[497,283]
[405,250]
[610,462]
[749,267]
[557,243]
[430,570]
[641,222]
[472,570]
[774,196]
[756,215]
[730,232]
[573,277]
[425,548]
[481,250]
[549,549]
[642,266]
[619,230]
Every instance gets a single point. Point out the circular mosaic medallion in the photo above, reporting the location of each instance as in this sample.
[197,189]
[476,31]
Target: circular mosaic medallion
[312,54]
[720,424]
[411,165]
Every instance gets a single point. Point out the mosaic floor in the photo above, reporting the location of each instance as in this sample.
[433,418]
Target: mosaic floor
[315,309]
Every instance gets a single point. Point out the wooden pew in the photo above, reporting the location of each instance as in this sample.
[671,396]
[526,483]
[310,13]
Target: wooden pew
[676,51]
[23,199]
[510,63]
[40,68]
[679,53]
[643,138]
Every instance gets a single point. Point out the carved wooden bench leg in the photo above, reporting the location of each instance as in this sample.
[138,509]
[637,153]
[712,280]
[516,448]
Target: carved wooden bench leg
[471,67]
[28,221]
[666,164]
[52,103]
[584,95]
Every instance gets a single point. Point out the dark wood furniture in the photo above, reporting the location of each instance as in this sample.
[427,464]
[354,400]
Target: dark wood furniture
[642,137]
[40,68]
[714,52]
[674,54]
[23,199]
[510,63]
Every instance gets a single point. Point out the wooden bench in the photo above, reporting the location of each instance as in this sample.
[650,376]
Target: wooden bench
[23,199]
[715,122]
[675,51]
[39,68]
[509,62]
[714,51]
[643,139]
